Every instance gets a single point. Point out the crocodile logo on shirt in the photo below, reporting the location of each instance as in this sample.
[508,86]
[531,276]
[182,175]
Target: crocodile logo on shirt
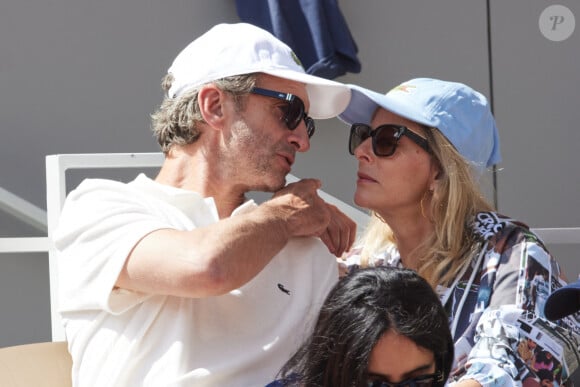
[282,288]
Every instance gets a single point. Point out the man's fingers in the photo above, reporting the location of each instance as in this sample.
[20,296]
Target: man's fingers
[327,240]
[342,230]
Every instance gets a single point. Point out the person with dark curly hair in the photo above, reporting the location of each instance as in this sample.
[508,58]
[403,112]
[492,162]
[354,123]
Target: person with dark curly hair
[367,323]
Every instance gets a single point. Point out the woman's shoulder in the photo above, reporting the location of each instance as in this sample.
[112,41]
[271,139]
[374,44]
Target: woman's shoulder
[493,226]
[505,236]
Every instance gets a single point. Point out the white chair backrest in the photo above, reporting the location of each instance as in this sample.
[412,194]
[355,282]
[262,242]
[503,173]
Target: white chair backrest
[56,168]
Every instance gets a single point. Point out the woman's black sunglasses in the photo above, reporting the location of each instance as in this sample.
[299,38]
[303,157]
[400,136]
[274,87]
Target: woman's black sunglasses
[430,380]
[385,138]
[293,111]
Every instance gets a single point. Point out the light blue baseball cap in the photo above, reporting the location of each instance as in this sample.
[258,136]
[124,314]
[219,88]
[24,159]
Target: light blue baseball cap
[459,112]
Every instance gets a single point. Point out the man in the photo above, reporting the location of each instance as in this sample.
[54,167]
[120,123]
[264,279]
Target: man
[180,281]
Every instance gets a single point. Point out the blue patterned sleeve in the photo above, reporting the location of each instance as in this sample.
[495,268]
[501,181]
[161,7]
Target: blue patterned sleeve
[492,359]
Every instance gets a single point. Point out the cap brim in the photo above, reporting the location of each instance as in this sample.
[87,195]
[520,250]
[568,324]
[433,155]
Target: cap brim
[327,98]
[364,102]
[563,302]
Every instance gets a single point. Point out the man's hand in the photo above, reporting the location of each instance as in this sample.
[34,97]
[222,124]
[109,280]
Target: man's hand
[340,232]
[307,214]
[303,211]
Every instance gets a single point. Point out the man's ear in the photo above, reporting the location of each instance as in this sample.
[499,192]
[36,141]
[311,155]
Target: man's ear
[211,105]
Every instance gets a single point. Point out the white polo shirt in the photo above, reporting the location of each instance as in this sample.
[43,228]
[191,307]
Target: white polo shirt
[125,338]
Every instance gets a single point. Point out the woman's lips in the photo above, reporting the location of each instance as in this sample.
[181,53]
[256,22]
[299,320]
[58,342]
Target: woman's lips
[364,177]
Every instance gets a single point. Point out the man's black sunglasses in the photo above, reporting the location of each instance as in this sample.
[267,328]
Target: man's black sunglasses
[293,111]
[385,138]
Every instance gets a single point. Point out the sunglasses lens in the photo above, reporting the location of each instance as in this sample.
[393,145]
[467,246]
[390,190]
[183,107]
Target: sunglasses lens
[293,110]
[418,382]
[294,113]
[310,127]
[424,383]
[358,133]
[385,140]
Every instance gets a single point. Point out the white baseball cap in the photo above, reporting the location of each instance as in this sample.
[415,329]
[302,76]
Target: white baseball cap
[235,49]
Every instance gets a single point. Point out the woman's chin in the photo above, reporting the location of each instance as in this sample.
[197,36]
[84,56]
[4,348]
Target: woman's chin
[361,201]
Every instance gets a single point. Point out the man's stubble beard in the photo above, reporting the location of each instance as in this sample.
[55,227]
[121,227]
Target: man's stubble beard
[257,161]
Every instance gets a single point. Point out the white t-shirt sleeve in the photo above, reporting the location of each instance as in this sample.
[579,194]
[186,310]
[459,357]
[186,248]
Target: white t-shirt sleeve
[100,224]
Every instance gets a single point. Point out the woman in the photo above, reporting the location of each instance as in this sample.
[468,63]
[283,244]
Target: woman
[421,149]
[368,320]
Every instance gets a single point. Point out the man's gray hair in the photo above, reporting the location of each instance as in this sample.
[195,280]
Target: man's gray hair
[176,122]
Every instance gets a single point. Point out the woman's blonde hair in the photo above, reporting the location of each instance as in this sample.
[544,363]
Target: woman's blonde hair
[455,201]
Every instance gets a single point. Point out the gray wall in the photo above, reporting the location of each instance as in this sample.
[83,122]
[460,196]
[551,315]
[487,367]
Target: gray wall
[80,76]
[77,77]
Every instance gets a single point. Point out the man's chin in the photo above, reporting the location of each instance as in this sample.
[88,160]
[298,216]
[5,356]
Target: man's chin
[274,187]
[270,185]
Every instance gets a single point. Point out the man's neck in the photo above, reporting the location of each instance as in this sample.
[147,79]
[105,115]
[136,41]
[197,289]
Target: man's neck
[193,172]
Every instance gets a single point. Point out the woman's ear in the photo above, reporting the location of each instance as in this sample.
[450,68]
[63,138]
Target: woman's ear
[211,105]
[435,175]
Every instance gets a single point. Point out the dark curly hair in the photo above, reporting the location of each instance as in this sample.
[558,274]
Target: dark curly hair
[356,313]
